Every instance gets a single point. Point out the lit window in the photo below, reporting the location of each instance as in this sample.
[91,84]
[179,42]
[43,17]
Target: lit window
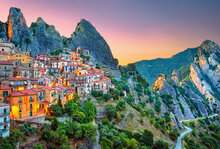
[20,107]
[30,106]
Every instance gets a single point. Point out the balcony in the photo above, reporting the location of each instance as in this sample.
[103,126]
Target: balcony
[4,75]
[5,113]
[4,130]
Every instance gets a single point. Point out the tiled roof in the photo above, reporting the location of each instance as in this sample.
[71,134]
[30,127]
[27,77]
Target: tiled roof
[15,78]
[47,87]
[6,62]
[28,92]
[37,89]
[17,94]
[5,87]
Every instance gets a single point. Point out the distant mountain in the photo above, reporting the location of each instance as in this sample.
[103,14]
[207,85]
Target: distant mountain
[150,69]
[43,38]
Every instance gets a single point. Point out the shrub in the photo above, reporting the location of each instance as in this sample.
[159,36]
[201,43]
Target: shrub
[160,144]
[174,135]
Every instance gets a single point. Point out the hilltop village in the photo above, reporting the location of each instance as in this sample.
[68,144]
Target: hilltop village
[29,86]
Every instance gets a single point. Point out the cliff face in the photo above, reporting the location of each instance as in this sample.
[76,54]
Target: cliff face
[87,37]
[205,71]
[178,103]
[18,31]
[43,38]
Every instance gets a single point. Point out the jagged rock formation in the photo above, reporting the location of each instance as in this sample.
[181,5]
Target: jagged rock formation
[18,31]
[41,37]
[164,85]
[45,37]
[87,37]
[205,71]
[175,76]
[3,30]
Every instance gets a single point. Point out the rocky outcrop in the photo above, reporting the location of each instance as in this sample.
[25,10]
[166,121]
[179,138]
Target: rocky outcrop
[205,71]
[87,37]
[3,30]
[43,38]
[18,31]
[175,76]
[185,103]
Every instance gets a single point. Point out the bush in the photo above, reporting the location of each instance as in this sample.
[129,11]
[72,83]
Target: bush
[174,135]
[56,110]
[96,93]
[110,110]
[160,144]
[120,106]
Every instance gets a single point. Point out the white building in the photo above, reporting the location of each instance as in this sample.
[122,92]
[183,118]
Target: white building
[4,119]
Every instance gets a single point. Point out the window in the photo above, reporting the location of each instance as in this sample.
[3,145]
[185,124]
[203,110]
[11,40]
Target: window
[19,55]
[31,98]
[19,115]
[16,55]
[5,110]
[5,93]
[2,49]
[5,67]
[19,107]
[30,113]
[30,106]
[20,100]
[22,59]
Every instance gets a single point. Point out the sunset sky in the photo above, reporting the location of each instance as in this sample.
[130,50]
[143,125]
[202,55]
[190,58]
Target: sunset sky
[134,29]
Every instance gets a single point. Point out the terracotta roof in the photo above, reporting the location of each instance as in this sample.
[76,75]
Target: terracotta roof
[47,87]
[5,87]
[28,92]
[15,78]
[6,62]
[4,104]
[37,89]
[45,102]
[17,94]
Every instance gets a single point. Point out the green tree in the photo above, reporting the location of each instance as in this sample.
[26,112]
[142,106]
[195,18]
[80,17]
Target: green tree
[70,107]
[147,138]
[56,110]
[160,144]
[106,143]
[110,110]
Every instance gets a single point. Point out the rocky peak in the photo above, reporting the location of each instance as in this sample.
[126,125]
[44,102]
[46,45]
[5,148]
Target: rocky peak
[159,82]
[16,24]
[40,20]
[87,37]
[210,46]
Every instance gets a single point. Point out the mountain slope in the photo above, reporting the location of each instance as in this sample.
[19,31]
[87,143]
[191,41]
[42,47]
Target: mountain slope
[150,69]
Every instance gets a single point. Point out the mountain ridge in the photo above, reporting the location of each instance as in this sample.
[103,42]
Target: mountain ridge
[41,37]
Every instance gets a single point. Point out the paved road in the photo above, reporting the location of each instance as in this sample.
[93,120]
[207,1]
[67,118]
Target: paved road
[188,130]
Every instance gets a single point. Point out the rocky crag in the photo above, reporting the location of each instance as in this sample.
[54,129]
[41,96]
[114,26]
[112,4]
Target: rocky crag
[194,90]
[205,71]
[41,37]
